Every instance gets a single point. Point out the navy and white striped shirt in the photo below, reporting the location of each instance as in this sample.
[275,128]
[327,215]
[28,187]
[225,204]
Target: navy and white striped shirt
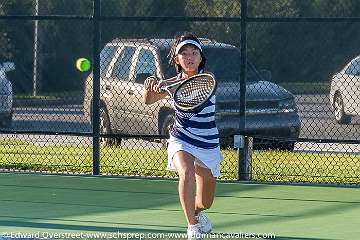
[197,128]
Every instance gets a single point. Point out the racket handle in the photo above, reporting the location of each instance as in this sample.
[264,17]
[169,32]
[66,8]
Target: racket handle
[162,88]
[169,84]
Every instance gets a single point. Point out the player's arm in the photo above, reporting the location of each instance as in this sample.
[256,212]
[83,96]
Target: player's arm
[152,92]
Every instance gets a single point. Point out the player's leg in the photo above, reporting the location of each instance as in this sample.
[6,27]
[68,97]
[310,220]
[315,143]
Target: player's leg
[184,163]
[205,192]
[205,188]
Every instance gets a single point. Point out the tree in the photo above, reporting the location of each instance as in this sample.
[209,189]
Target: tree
[5,41]
[18,42]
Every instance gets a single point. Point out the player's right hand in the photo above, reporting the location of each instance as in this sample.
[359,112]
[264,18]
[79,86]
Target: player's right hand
[151,84]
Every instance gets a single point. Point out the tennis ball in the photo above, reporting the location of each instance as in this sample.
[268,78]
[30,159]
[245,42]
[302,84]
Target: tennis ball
[83,64]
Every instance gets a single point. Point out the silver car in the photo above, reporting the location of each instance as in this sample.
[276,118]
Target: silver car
[345,92]
[6,95]
[125,63]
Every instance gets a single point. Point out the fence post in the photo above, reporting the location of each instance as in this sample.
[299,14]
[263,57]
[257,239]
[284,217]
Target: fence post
[96,87]
[245,156]
[38,47]
[243,153]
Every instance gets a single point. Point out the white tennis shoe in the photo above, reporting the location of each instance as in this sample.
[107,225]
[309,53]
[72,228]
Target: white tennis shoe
[204,222]
[193,232]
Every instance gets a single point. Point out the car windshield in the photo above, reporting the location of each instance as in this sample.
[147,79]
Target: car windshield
[106,54]
[354,67]
[168,70]
[223,62]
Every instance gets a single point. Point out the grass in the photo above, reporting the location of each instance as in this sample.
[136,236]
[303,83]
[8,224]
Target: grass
[37,97]
[52,96]
[306,167]
[273,166]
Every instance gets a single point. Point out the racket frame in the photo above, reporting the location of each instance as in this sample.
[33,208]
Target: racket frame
[177,86]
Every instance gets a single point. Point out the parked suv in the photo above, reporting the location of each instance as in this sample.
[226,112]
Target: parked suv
[125,64]
[6,95]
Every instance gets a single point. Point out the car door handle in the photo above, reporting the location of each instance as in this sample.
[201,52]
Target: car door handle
[130,92]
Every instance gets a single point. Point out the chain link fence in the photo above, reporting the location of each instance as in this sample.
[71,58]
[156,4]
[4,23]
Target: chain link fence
[287,72]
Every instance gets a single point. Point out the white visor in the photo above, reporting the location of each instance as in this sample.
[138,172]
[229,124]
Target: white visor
[188,41]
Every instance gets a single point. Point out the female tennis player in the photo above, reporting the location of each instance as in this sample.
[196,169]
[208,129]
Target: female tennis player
[193,149]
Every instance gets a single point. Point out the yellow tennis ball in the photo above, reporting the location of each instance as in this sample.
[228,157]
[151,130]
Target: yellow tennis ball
[83,64]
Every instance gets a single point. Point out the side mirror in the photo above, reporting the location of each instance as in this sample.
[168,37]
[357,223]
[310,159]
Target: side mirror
[140,78]
[266,74]
[8,66]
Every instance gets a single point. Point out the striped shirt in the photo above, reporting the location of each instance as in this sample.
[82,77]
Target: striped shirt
[197,128]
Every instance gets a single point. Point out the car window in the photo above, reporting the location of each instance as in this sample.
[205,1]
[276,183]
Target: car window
[106,54]
[145,65]
[223,62]
[168,70]
[122,66]
[353,68]
[252,74]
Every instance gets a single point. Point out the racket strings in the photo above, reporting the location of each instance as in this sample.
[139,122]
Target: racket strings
[194,92]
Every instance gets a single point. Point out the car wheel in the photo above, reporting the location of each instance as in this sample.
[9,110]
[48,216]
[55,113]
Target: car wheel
[340,115]
[167,125]
[105,128]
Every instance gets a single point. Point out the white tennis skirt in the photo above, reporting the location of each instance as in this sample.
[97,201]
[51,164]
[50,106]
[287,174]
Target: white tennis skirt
[208,158]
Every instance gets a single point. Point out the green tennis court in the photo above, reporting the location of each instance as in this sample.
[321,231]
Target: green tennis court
[43,205]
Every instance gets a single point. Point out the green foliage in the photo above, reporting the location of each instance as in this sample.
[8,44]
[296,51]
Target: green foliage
[279,8]
[303,52]
[6,33]
[142,29]
[221,31]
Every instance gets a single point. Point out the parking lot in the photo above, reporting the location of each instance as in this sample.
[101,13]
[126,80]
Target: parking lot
[317,122]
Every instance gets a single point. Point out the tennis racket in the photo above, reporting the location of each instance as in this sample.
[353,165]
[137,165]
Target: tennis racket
[191,93]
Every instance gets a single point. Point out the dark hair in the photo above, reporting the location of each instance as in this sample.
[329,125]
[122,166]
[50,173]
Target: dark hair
[172,53]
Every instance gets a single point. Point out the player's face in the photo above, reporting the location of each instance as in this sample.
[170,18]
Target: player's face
[189,58]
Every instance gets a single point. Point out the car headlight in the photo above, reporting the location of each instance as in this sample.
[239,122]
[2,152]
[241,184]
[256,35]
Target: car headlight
[287,105]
